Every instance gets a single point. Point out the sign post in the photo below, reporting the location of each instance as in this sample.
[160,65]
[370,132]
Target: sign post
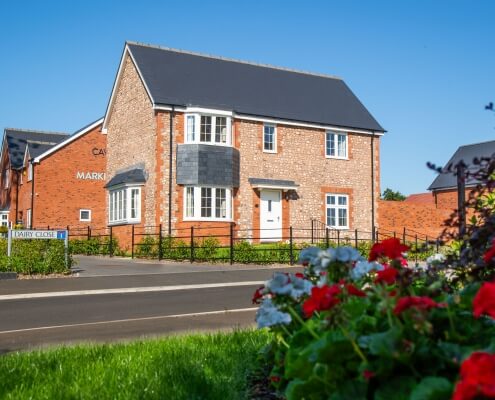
[34,234]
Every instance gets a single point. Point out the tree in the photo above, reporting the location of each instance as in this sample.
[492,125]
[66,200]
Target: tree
[389,194]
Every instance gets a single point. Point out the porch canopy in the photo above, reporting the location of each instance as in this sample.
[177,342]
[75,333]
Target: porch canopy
[280,184]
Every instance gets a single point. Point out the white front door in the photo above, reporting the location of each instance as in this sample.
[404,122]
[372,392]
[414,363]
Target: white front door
[271,216]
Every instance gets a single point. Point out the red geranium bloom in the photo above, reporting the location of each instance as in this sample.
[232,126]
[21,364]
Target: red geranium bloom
[477,377]
[354,291]
[388,276]
[391,248]
[490,253]
[258,295]
[419,302]
[484,301]
[368,374]
[322,298]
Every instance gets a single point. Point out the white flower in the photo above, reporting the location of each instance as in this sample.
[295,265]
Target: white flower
[300,287]
[347,254]
[279,284]
[363,268]
[437,258]
[268,315]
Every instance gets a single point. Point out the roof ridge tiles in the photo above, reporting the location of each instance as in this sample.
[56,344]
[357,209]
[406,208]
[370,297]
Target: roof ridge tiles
[321,75]
[36,131]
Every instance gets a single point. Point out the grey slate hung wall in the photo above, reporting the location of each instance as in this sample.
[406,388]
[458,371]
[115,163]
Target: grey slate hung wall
[201,164]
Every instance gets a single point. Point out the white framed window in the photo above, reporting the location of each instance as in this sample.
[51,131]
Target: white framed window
[208,129]
[28,218]
[336,145]
[207,203]
[337,211]
[85,215]
[269,138]
[30,172]
[6,178]
[124,205]
[4,218]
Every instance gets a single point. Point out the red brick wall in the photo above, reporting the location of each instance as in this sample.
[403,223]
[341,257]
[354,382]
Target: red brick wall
[60,194]
[422,218]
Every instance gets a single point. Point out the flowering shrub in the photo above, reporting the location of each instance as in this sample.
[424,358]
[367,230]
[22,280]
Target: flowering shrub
[351,329]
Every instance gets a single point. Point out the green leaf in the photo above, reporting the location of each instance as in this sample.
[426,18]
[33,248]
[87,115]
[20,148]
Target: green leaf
[305,390]
[351,390]
[383,343]
[432,388]
[398,388]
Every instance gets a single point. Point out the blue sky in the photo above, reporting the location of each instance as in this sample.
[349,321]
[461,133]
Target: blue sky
[425,69]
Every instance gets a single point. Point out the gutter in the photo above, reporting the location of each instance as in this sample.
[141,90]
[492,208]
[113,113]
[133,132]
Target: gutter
[32,196]
[373,186]
[172,115]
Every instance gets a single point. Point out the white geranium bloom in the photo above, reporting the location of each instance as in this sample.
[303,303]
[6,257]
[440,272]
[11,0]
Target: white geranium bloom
[300,287]
[363,268]
[268,315]
[279,284]
[437,258]
[347,254]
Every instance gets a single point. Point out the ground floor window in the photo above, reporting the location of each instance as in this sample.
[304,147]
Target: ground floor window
[28,219]
[4,219]
[85,215]
[337,210]
[124,205]
[207,203]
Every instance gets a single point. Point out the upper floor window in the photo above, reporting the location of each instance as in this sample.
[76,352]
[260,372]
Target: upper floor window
[336,145]
[207,203]
[85,215]
[269,138]
[337,211]
[30,172]
[209,129]
[124,205]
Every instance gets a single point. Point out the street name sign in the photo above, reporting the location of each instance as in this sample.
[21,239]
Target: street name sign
[38,234]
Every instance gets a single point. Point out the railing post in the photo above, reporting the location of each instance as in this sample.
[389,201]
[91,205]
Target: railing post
[438,245]
[88,233]
[404,236]
[312,231]
[426,241]
[110,244]
[356,238]
[192,243]
[291,254]
[338,238]
[416,249]
[89,238]
[160,242]
[377,239]
[373,228]
[327,240]
[395,235]
[132,241]
[231,243]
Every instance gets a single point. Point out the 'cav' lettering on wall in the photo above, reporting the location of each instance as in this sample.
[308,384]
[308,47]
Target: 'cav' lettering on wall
[93,176]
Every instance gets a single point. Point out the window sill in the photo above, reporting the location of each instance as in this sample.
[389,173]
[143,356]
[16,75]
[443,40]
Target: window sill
[337,158]
[208,220]
[126,222]
[338,228]
[270,151]
[209,144]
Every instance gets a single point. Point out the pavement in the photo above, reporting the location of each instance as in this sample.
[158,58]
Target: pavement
[115,299]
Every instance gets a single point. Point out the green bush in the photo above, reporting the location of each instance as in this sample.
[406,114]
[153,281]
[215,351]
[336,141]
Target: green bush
[208,249]
[34,257]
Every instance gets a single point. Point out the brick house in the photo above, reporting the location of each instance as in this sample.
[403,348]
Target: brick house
[195,140]
[53,179]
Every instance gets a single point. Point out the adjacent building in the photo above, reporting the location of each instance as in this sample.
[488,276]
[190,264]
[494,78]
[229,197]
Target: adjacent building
[195,140]
[53,179]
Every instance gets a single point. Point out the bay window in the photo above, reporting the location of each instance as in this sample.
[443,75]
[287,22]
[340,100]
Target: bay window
[124,205]
[337,211]
[212,129]
[207,203]
[336,145]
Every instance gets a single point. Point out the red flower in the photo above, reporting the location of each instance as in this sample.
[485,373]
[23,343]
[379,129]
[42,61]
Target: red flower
[354,291]
[322,298]
[368,374]
[490,253]
[388,276]
[258,295]
[299,275]
[477,378]
[484,301]
[275,378]
[421,303]
[391,248]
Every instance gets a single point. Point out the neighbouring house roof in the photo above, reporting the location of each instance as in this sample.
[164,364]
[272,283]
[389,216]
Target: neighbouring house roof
[272,183]
[448,179]
[36,142]
[178,78]
[136,175]
[420,198]
[42,153]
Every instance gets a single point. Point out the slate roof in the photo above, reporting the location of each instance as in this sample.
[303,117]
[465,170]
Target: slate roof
[272,182]
[37,142]
[180,78]
[448,180]
[132,176]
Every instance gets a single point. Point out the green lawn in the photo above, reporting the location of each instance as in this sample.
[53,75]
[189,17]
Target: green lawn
[208,366]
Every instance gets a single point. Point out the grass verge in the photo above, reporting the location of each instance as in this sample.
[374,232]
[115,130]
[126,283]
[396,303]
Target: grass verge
[206,366]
